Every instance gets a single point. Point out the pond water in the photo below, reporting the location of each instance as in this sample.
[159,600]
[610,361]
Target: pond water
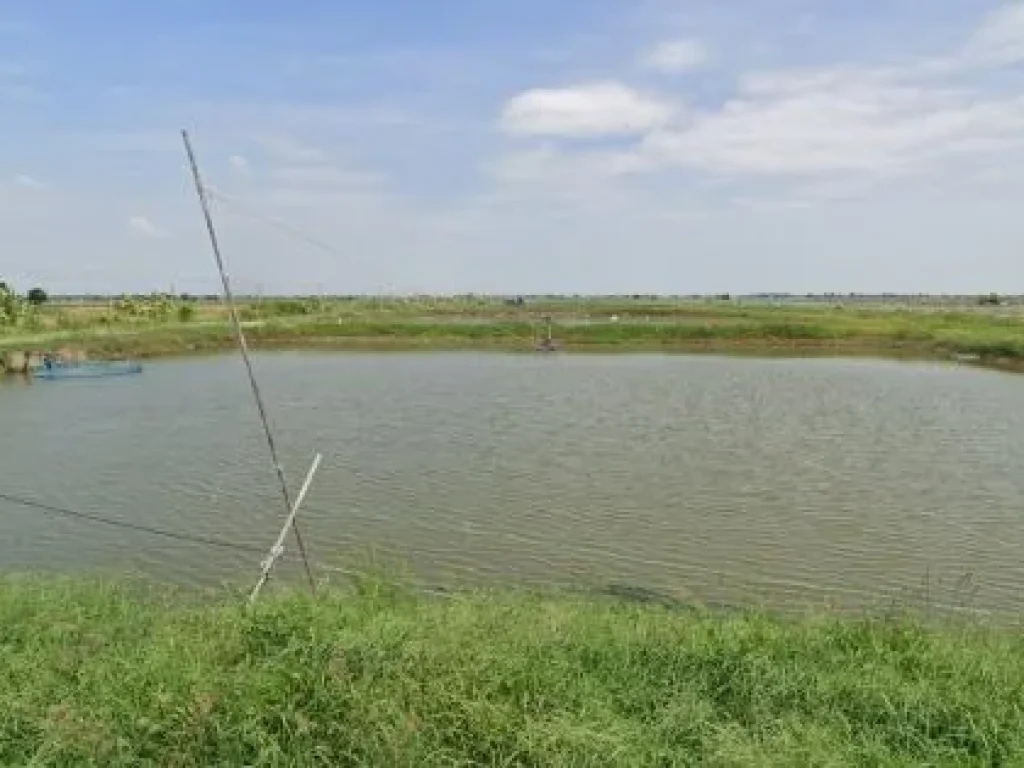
[859,483]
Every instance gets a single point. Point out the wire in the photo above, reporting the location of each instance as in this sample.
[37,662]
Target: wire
[738,581]
[64,512]
[246,209]
[237,206]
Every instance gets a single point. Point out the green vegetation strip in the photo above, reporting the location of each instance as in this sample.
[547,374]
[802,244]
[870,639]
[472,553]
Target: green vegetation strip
[149,329]
[106,675]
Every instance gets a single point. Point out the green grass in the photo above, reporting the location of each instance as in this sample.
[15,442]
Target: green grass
[111,675]
[995,335]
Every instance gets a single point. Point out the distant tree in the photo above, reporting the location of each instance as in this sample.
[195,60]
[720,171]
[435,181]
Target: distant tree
[37,296]
[991,300]
[11,306]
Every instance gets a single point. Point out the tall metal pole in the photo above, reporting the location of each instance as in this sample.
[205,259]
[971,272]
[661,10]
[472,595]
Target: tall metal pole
[244,347]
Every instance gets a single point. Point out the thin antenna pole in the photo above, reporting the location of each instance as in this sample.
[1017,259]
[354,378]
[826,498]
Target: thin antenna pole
[243,346]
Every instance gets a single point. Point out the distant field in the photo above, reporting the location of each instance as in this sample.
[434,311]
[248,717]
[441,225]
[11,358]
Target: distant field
[913,326]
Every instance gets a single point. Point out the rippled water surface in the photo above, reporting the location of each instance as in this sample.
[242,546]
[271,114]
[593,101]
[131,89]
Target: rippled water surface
[787,482]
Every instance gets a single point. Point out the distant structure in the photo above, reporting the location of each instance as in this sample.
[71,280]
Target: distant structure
[548,343]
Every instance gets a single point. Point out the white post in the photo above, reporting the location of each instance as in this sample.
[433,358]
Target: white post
[278,549]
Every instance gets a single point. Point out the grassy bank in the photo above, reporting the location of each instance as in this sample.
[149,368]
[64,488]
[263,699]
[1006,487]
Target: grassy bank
[104,675]
[994,336]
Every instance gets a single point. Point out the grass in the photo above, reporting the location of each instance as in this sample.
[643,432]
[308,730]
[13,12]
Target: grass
[114,675]
[994,335]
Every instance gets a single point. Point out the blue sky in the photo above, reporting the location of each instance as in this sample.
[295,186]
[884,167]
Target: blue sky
[459,145]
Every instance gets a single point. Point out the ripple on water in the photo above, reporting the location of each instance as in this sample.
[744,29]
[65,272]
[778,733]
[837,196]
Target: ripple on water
[788,481]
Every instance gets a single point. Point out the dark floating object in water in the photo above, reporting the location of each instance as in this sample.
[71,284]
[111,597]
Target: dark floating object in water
[86,370]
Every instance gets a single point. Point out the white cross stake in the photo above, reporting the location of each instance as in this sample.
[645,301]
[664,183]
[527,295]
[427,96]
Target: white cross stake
[278,549]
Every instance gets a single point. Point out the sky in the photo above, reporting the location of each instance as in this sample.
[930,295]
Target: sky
[455,146]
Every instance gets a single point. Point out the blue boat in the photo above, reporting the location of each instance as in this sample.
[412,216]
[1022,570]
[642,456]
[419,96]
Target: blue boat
[91,369]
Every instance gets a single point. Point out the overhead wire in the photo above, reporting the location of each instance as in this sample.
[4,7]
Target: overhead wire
[124,524]
[235,205]
[246,209]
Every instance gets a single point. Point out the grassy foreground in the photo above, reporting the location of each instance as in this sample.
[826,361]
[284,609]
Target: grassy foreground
[995,336]
[93,674]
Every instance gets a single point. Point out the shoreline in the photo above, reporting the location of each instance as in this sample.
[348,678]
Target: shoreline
[184,342]
[988,339]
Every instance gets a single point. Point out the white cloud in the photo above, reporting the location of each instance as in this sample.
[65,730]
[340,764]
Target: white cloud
[140,225]
[556,179]
[288,150]
[804,122]
[28,182]
[325,176]
[589,110]
[781,83]
[543,162]
[999,39]
[325,187]
[676,56]
[784,123]
[238,163]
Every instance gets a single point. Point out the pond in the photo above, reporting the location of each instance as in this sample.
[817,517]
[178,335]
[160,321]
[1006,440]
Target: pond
[790,483]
